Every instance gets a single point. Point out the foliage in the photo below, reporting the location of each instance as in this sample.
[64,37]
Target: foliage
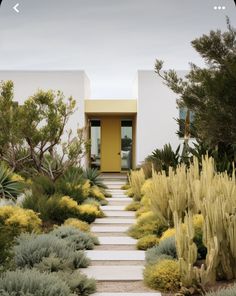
[75,238]
[165,247]
[210,91]
[32,282]
[136,180]
[147,242]
[146,224]
[18,218]
[89,212]
[94,178]
[31,249]
[43,185]
[81,225]
[133,206]
[79,283]
[164,158]
[31,134]
[77,189]
[163,276]
[170,232]
[59,209]
[230,291]
[9,188]
[97,193]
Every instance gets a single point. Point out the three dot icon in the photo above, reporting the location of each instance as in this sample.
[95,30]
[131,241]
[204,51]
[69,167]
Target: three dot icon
[219,7]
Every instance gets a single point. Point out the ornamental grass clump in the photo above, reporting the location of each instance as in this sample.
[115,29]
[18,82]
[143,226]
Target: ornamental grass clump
[136,181]
[163,276]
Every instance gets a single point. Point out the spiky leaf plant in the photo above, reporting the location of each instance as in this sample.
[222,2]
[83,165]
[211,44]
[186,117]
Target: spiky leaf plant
[9,188]
[94,178]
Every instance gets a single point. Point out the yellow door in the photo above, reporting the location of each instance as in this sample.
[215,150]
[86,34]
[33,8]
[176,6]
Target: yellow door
[110,144]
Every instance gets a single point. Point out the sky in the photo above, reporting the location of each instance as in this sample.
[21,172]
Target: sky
[110,39]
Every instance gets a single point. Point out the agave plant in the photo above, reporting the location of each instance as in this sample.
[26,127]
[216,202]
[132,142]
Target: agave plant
[93,176]
[9,189]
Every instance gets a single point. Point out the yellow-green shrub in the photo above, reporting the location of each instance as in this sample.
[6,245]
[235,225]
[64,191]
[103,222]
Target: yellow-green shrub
[163,276]
[81,225]
[125,187]
[22,219]
[146,224]
[133,206]
[97,193]
[147,242]
[168,233]
[90,212]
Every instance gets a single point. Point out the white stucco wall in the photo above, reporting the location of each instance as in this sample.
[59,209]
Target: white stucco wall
[71,83]
[157,109]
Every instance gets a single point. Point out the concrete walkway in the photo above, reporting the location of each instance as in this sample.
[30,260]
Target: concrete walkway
[116,264]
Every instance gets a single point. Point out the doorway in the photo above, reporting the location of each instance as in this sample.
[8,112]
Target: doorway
[112,143]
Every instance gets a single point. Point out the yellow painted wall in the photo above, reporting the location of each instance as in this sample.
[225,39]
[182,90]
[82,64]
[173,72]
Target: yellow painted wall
[110,106]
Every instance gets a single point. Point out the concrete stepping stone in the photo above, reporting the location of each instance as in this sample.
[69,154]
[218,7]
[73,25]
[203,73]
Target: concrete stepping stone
[113,208]
[126,220]
[115,273]
[116,240]
[127,294]
[124,198]
[112,229]
[119,214]
[116,255]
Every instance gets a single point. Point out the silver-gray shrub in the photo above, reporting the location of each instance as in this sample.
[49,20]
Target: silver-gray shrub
[231,291]
[165,250]
[30,249]
[32,283]
[75,238]
[79,283]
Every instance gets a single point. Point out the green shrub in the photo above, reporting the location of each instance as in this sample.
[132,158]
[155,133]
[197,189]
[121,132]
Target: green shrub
[32,283]
[165,247]
[231,291]
[74,190]
[147,242]
[75,238]
[146,224]
[58,209]
[30,249]
[133,206]
[43,185]
[9,188]
[163,276]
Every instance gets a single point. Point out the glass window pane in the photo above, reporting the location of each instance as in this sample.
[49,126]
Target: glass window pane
[126,144]
[95,132]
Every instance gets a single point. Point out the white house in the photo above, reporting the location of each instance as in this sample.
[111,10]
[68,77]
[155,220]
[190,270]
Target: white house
[122,132]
